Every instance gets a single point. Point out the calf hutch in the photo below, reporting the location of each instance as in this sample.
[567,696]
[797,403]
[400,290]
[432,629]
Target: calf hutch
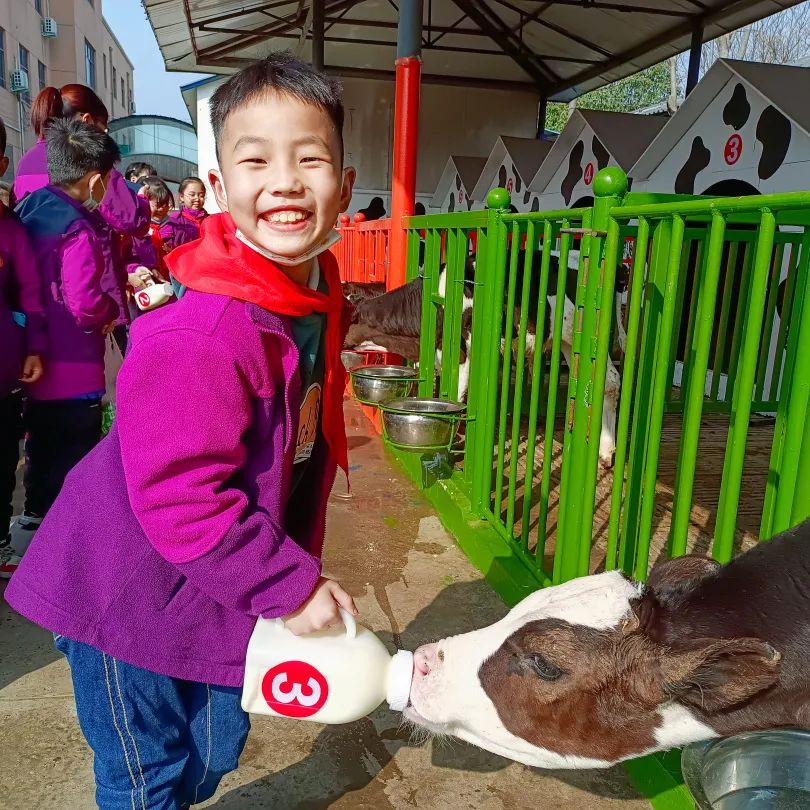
[454,192]
[512,164]
[744,129]
[591,141]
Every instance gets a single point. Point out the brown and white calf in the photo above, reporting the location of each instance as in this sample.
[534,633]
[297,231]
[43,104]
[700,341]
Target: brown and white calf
[602,669]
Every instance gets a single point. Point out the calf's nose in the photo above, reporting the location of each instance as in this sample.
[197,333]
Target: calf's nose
[425,659]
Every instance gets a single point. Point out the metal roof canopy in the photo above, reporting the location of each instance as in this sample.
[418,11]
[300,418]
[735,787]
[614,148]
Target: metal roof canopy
[562,48]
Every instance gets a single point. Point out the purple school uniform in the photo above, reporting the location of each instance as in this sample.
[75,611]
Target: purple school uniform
[181,227]
[164,546]
[121,209]
[19,292]
[67,242]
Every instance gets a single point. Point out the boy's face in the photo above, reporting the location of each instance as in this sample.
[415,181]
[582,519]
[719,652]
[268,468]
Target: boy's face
[281,177]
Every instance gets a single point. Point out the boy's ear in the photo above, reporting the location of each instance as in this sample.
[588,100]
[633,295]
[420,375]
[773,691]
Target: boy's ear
[215,179]
[349,177]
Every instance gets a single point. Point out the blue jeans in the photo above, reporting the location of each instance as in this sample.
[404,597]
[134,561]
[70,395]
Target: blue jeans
[159,743]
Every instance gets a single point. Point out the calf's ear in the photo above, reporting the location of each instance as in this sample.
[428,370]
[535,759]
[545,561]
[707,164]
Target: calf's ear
[680,571]
[714,675]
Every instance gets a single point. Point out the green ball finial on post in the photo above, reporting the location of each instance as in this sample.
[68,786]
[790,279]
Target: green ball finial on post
[499,199]
[610,182]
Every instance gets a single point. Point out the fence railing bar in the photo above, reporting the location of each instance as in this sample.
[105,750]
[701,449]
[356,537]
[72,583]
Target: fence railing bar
[743,394]
[766,342]
[693,403]
[787,304]
[740,316]
[722,329]
[627,391]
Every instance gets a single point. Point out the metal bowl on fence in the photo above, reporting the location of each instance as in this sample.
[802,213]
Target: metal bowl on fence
[764,770]
[374,385]
[421,424]
[351,359]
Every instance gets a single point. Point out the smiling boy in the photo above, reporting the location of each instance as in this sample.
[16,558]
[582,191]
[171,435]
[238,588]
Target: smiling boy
[177,541]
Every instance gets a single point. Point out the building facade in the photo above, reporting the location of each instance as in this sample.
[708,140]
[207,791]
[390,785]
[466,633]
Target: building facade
[79,47]
[168,144]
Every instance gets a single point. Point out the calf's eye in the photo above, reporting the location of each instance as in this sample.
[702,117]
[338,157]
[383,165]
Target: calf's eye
[543,667]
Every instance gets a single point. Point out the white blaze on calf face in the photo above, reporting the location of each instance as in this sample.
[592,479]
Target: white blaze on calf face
[451,699]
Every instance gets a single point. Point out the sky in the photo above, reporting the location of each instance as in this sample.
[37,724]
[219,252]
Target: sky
[157,91]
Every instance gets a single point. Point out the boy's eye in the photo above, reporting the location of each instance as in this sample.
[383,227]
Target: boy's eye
[313,159]
[254,160]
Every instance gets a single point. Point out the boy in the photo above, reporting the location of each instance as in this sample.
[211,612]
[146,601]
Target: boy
[63,413]
[175,541]
[22,342]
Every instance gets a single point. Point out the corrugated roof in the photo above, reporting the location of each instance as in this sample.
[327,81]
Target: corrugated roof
[563,47]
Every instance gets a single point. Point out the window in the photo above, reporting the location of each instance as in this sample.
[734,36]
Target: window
[131,108]
[26,97]
[123,94]
[104,60]
[115,82]
[43,77]
[90,64]
[38,6]
[2,58]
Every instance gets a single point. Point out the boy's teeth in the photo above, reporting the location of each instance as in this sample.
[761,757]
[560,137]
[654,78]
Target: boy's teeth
[287,216]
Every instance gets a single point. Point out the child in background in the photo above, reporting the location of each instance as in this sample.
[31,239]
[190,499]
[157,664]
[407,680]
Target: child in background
[146,255]
[22,343]
[183,226]
[165,546]
[7,197]
[63,414]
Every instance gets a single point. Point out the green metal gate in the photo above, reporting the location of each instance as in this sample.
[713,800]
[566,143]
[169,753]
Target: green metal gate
[708,275]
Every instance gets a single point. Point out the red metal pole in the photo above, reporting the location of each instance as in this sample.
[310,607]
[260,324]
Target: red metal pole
[403,185]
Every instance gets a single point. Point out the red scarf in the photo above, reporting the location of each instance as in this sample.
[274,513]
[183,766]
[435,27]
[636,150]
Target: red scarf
[221,263]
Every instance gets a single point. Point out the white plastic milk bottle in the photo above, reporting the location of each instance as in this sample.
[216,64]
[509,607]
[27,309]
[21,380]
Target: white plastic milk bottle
[334,676]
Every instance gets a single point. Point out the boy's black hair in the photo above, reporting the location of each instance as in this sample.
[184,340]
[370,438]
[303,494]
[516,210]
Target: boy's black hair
[155,189]
[138,167]
[75,148]
[187,181]
[2,138]
[283,73]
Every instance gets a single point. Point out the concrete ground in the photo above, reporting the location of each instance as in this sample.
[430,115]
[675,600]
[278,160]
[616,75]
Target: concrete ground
[412,585]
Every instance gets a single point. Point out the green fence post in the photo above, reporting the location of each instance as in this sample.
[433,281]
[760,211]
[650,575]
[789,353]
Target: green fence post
[486,344]
[693,401]
[743,394]
[592,321]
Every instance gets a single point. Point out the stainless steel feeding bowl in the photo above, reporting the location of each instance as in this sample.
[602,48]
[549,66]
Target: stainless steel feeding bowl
[421,424]
[374,385]
[351,359]
[765,770]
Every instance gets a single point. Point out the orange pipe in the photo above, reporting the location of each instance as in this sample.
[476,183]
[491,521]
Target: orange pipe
[403,185]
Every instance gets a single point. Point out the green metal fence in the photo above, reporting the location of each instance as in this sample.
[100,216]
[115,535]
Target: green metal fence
[704,337]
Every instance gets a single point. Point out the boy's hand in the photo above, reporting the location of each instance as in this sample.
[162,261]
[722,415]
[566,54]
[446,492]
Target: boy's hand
[32,369]
[321,609]
[140,278]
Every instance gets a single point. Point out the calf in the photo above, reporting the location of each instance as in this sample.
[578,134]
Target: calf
[602,669]
[393,323]
[356,291]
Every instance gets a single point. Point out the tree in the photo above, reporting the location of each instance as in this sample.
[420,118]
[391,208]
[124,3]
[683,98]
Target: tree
[650,86]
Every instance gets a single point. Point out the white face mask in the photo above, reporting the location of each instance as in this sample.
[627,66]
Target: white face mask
[90,204]
[292,261]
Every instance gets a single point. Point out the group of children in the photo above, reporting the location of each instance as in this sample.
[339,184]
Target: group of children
[164,546]
[78,242]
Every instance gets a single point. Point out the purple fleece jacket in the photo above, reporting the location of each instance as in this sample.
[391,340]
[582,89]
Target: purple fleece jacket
[19,291]
[68,242]
[166,543]
[122,210]
[181,227]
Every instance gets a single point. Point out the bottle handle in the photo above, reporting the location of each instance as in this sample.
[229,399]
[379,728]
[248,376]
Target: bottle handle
[349,622]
